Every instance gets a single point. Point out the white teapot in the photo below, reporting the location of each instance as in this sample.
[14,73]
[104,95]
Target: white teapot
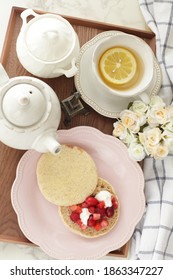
[47,45]
[30,114]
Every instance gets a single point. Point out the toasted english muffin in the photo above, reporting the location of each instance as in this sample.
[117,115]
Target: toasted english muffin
[68,177]
[89,231]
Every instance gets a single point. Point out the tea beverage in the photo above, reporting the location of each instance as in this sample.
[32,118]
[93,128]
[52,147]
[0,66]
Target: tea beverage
[122,65]
[120,68]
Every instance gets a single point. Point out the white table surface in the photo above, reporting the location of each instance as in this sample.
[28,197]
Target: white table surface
[119,12]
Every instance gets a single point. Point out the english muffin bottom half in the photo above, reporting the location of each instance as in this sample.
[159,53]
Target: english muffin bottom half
[93,231]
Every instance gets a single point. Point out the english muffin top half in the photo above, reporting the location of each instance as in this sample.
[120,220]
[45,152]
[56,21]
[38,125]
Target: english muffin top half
[67,178]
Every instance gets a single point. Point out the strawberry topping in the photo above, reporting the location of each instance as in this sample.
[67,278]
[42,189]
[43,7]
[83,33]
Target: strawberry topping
[98,213]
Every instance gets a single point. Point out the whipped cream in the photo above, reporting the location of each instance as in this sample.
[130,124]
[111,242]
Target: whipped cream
[84,216]
[106,197]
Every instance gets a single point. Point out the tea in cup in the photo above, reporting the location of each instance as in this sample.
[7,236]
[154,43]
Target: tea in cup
[123,66]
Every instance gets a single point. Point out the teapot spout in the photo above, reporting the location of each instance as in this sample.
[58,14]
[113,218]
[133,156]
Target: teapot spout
[52,145]
[47,143]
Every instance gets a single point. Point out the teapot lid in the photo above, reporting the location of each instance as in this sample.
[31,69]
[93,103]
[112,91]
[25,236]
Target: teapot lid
[49,37]
[24,106]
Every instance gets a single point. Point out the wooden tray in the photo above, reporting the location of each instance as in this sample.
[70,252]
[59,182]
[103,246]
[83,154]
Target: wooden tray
[9,158]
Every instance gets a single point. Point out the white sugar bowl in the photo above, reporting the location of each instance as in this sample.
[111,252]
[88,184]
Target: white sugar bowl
[30,114]
[47,45]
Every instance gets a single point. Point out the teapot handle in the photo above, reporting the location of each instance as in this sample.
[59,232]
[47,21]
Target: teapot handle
[26,13]
[70,72]
[3,75]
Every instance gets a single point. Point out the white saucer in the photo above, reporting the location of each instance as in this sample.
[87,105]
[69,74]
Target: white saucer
[106,105]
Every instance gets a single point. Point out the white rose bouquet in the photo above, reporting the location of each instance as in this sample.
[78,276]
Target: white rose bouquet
[146,129]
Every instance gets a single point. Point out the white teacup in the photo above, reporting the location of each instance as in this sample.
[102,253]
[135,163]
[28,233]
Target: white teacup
[145,59]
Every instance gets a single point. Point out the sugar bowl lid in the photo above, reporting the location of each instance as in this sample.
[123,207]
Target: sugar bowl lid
[49,37]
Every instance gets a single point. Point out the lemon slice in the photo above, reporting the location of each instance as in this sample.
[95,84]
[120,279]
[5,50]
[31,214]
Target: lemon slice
[118,66]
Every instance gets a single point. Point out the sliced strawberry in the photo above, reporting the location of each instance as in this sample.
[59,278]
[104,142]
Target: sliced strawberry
[91,221]
[100,211]
[104,223]
[91,209]
[79,222]
[114,202]
[84,205]
[75,208]
[96,216]
[109,211]
[81,225]
[101,204]
[74,216]
[91,201]
[78,209]
[97,226]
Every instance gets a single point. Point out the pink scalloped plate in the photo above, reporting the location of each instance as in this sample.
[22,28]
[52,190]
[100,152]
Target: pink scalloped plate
[39,219]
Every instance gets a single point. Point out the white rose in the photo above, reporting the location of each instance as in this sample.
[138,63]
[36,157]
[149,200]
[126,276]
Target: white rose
[139,107]
[142,116]
[136,151]
[152,122]
[142,119]
[160,151]
[130,137]
[119,130]
[150,136]
[149,149]
[157,102]
[130,120]
[158,116]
